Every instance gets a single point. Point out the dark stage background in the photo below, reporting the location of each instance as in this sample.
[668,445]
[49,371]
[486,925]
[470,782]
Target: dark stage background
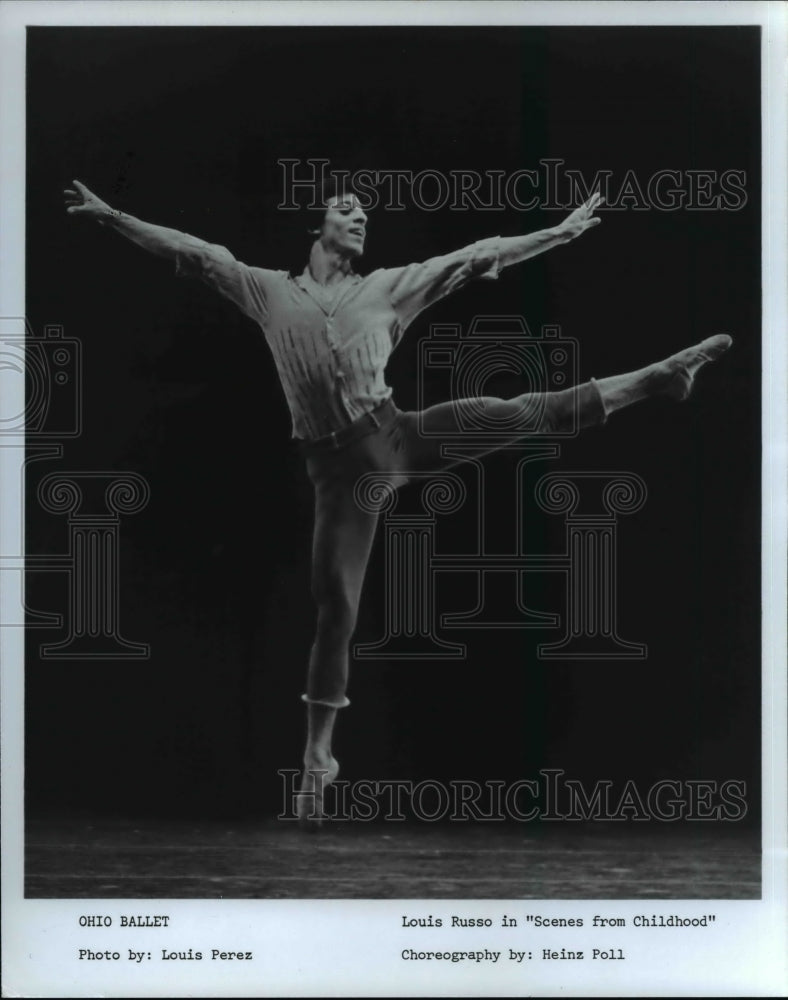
[184,127]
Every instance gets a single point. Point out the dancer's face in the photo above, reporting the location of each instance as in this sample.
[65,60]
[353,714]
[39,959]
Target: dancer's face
[344,226]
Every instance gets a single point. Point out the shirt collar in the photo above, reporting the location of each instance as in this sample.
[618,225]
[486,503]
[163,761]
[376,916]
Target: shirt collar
[306,281]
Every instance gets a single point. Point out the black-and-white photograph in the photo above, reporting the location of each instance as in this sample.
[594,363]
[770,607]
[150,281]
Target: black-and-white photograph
[391,460]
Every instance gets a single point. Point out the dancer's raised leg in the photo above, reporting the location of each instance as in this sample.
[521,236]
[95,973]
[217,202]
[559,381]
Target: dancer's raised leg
[672,377]
[533,414]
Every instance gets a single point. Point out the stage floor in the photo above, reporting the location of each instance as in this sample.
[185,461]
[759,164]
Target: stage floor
[272,859]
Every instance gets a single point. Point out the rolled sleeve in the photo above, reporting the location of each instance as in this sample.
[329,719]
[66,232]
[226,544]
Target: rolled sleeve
[486,262]
[217,267]
[417,286]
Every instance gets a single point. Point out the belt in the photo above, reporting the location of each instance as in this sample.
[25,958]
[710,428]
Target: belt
[368,423]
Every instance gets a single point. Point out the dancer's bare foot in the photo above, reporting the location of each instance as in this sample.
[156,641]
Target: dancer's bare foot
[678,372]
[320,769]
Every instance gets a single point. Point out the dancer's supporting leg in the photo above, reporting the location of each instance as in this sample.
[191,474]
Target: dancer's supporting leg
[343,536]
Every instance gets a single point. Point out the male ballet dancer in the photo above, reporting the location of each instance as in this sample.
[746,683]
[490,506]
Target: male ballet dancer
[331,332]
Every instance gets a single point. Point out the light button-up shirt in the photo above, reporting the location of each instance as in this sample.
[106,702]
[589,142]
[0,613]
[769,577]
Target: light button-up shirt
[331,343]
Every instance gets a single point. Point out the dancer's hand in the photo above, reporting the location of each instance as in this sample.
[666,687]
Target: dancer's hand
[582,218]
[81,201]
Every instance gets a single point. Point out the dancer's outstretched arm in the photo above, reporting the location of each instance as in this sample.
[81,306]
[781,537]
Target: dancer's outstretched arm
[158,240]
[514,249]
[415,287]
[243,285]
